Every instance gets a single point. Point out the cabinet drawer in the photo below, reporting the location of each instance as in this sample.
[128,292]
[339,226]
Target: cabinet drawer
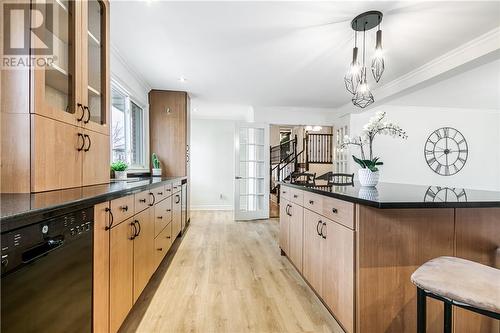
[297,196]
[162,215]
[122,208]
[162,243]
[285,192]
[168,189]
[176,187]
[142,201]
[159,193]
[337,210]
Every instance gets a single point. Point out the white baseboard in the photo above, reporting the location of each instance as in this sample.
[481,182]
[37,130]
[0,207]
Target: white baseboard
[211,207]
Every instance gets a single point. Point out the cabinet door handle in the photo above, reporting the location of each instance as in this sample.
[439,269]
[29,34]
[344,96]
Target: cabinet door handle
[160,249]
[169,210]
[295,196]
[135,230]
[124,208]
[160,217]
[86,121]
[90,142]
[142,200]
[139,224]
[317,227]
[322,234]
[177,199]
[160,193]
[289,207]
[80,106]
[111,218]
[80,135]
[154,199]
[334,210]
[168,237]
[311,202]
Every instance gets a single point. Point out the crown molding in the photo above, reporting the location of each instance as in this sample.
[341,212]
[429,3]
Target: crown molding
[136,74]
[476,48]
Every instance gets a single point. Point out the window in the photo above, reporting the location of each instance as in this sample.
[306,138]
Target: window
[127,130]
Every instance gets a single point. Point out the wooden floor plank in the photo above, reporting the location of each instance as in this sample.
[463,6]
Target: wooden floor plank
[228,276]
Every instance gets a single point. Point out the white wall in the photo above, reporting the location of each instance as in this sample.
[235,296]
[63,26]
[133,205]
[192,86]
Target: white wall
[404,160]
[212,164]
[294,115]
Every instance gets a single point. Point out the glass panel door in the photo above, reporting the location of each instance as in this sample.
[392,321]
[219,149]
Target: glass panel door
[55,82]
[252,172]
[94,90]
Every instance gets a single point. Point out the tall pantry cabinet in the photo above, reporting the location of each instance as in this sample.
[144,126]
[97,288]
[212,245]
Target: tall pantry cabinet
[55,119]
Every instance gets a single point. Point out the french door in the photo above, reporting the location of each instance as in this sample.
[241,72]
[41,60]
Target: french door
[251,184]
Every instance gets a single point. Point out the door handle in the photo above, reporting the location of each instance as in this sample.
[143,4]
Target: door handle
[107,209]
[135,231]
[80,135]
[238,177]
[139,224]
[317,227]
[80,106]
[322,234]
[41,250]
[88,115]
[154,199]
[90,142]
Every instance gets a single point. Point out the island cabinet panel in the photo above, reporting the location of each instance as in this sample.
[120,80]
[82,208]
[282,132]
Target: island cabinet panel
[121,273]
[296,233]
[312,269]
[163,242]
[284,225]
[162,215]
[144,254]
[337,260]
[477,239]
[391,245]
[101,269]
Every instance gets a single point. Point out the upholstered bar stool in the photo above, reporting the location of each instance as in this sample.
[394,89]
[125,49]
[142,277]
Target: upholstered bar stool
[457,282]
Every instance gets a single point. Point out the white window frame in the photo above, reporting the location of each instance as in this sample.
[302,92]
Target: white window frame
[145,126]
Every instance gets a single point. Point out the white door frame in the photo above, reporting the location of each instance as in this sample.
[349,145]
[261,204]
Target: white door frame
[264,212]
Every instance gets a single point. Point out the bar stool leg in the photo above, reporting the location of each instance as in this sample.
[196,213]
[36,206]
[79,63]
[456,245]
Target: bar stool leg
[447,317]
[421,311]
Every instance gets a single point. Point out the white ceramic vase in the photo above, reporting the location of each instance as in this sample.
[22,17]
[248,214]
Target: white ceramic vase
[156,172]
[121,175]
[368,178]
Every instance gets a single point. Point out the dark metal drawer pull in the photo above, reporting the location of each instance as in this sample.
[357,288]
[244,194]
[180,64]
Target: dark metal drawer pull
[317,228]
[111,217]
[295,196]
[322,234]
[334,210]
[124,208]
[160,217]
[311,202]
[142,200]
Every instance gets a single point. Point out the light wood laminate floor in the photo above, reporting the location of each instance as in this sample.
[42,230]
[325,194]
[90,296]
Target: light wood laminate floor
[228,276]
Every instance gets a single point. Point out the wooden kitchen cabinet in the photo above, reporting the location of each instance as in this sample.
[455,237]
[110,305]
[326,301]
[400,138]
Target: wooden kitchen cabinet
[144,254]
[162,215]
[312,269]
[56,162]
[169,130]
[100,296]
[95,158]
[163,242]
[68,99]
[337,261]
[296,232]
[121,270]
[284,225]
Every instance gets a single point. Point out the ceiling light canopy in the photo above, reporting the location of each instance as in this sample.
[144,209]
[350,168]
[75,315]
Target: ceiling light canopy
[355,79]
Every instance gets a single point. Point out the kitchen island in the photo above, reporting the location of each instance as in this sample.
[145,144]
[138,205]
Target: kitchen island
[357,248]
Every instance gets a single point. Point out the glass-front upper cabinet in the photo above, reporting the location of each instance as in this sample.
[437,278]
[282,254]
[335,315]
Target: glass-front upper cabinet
[95,69]
[54,74]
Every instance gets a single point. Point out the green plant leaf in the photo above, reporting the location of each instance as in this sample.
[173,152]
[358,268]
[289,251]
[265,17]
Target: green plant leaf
[119,166]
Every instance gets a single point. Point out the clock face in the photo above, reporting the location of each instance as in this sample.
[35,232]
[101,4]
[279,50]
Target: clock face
[446,151]
[445,194]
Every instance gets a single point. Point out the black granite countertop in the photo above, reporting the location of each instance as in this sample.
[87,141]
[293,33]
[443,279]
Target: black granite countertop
[390,195]
[18,209]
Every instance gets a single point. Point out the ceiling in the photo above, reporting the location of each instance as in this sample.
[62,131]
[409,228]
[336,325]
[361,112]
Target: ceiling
[282,53]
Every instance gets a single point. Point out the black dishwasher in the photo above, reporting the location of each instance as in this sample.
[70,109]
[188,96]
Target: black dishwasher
[47,275]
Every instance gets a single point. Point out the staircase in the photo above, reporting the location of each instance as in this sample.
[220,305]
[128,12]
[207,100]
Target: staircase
[286,159]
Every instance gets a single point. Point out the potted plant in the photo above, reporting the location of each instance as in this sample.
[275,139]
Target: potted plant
[156,171]
[119,168]
[369,174]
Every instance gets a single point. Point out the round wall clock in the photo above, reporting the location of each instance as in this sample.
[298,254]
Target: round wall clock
[446,151]
[445,194]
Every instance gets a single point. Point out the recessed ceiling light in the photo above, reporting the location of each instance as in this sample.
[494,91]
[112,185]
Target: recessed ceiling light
[182,79]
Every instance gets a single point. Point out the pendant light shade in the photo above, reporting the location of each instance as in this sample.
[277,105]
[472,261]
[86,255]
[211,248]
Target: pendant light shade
[363,96]
[378,65]
[352,78]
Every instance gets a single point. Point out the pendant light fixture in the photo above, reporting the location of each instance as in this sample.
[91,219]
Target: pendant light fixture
[353,76]
[355,79]
[363,96]
[378,65]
